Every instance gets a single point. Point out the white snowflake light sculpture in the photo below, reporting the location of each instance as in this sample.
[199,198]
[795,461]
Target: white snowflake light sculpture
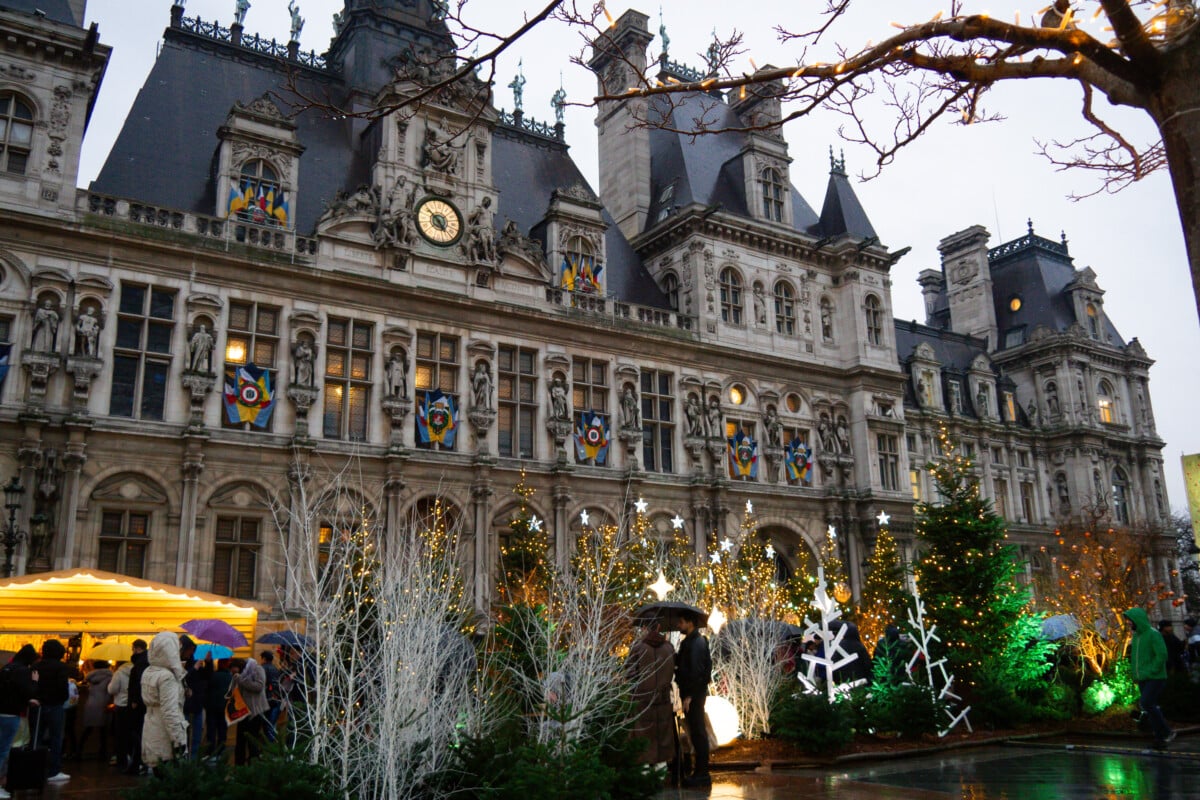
[943,682]
[833,657]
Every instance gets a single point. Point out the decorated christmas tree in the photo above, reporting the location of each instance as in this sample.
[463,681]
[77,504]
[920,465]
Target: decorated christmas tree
[884,599]
[968,578]
[525,565]
[743,582]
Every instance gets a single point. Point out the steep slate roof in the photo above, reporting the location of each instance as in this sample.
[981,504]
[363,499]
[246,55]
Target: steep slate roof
[842,213]
[954,351]
[705,169]
[56,10]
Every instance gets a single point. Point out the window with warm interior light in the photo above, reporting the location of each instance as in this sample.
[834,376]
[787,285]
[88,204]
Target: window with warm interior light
[348,355]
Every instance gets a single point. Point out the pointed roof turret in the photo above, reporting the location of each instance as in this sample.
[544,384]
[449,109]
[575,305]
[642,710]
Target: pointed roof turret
[842,213]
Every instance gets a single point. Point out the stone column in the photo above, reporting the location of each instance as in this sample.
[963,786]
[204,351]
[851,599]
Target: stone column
[29,458]
[300,546]
[68,509]
[192,468]
[393,488]
[561,497]
[481,516]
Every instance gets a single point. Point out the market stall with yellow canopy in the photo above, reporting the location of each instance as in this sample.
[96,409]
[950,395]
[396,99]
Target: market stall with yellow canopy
[103,608]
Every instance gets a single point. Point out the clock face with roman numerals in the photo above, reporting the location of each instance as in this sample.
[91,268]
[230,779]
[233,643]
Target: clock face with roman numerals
[439,222]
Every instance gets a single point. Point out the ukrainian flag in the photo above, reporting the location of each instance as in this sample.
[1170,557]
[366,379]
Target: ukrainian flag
[567,275]
[238,200]
[281,211]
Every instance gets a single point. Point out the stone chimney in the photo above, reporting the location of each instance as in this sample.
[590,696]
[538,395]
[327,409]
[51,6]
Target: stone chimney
[932,284]
[968,279]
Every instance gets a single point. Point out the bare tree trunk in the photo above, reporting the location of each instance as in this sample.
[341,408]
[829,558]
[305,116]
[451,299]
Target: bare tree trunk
[1176,110]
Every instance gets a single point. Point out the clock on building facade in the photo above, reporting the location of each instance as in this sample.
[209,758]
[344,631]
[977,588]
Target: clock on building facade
[439,222]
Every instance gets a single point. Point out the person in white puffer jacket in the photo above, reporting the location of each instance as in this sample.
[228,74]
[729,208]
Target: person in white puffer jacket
[164,731]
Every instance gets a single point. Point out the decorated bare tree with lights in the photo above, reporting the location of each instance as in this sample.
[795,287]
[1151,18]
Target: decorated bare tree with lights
[968,577]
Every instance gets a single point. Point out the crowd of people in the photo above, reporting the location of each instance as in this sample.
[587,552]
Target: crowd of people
[161,704]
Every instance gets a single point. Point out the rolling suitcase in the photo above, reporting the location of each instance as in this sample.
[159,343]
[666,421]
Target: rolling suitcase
[27,765]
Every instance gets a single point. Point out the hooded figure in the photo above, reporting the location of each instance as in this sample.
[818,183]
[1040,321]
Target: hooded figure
[164,728]
[1148,665]
[859,668]
[651,669]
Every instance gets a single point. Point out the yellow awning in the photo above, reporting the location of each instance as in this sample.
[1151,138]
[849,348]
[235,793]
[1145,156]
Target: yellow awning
[101,604]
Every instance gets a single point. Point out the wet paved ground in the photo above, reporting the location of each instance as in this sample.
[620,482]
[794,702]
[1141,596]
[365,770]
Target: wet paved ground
[1114,769]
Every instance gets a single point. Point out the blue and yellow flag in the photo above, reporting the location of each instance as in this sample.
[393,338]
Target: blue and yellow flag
[281,211]
[239,199]
[798,458]
[437,421]
[743,457]
[248,396]
[591,438]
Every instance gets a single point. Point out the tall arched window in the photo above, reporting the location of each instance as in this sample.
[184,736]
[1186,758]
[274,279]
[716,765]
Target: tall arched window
[731,296]
[785,308]
[581,264]
[1106,403]
[1120,495]
[874,315]
[670,287]
[1093,321]
[16,133]
[773,188]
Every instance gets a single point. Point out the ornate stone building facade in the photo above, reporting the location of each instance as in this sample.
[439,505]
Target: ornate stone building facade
[246,296]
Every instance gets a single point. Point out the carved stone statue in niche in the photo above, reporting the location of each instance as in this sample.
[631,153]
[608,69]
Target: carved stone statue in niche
[481,386]
[397,374]
[843,435]
[712,419]
[437,151]
[302,363]
[1031,411]
[826,321]
[981,400]
[87,331]
[760,305]
[200,350]
[631,413]
[773,428]
[45,328]
[559,407]
[695,417]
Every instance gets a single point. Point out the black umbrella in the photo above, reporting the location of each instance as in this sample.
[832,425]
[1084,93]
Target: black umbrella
[667,614]
[286,638]
[765,628]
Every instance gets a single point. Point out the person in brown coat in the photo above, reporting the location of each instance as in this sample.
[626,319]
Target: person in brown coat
[651,669]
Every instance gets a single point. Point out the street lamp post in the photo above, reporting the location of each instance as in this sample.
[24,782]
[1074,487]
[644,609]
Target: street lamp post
[12,534]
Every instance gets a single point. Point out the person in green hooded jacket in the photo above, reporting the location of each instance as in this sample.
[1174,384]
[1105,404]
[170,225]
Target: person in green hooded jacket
[1148,665]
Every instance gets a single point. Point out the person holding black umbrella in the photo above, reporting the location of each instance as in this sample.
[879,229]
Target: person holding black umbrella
[693,672]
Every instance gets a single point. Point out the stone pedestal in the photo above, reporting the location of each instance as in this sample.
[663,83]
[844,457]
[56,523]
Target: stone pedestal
[396,409]
[559,430]
[199,386]
[694,445]
[631,438]
[481,420]
[302,398]
[40,366]
[774,458]
[84,369]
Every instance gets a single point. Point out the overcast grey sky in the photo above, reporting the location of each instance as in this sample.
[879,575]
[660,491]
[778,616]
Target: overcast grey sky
[952,178]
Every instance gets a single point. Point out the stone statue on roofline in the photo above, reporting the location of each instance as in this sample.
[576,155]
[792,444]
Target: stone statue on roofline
[239,11]
[297,20]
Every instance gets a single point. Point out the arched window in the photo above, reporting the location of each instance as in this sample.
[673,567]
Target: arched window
[785,309]
[670,287]
[731,296]
[16,133]
[1120,496]
[1093,321]
[773,188]
[874,315]
[1106,403]
[261,198]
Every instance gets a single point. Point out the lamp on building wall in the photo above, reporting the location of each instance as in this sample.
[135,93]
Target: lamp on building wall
[12,534]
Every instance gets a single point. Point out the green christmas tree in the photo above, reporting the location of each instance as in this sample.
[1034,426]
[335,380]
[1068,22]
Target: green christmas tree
[524,555]
[968,578]
[884,597]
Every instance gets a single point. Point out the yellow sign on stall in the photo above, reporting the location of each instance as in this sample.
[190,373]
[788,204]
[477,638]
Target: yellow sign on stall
[1191,483]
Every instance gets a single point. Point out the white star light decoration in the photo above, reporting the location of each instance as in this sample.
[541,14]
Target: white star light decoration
[677,522]
[583,517]
[749,507]
[716,621]
[661,587]
[726,545]
[883,518]
[715,557]
[535,524]
[832,532]
[770,551]
[641,506]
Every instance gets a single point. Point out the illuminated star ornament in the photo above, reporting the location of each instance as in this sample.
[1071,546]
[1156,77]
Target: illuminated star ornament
[831,532]
[726,545]
[677,522]
[770,551]
[535,524]
[716,620]
[661,587]
[583,517]
[641,506]
[883,518]
[715,557]
[749,507]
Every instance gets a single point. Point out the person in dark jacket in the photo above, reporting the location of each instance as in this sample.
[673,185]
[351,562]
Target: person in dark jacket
[693,672]
[650,668]
[214,709]
[860,667]
[195,682]
[50,713]
[1148,668]
[274,694]
[1175,647]
[137,710]
[17,692]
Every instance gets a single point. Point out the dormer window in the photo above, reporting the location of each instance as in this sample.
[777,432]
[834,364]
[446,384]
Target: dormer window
[773,188]
[1093,321]
[258,197]
[731,296]
[16,133]
[583,266]
[670,287]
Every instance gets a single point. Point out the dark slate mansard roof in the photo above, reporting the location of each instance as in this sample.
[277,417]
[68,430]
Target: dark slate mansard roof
[166,153]
[53,10]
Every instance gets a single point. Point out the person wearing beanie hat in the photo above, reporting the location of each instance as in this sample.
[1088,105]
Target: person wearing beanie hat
[50,715]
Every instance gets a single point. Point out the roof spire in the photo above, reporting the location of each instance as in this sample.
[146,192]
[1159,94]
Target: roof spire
[1029,223]
[837,165]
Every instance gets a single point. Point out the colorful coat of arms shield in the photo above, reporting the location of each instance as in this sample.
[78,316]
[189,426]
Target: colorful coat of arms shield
[798,460]
[591,438]
[743,457]
[248,396]
[437,421]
